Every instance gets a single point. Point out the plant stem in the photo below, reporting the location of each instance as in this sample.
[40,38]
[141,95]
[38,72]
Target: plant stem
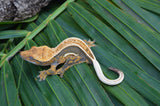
[35,31]
[2,54]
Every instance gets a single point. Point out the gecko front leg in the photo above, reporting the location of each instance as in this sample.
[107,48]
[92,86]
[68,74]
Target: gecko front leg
[43,74]
[50,71]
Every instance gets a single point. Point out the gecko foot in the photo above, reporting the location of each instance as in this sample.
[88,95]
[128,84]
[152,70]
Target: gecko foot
[42,75]
[90,43]
[60,72]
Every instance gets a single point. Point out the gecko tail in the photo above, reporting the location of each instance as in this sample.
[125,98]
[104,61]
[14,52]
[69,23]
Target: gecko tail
[103,78]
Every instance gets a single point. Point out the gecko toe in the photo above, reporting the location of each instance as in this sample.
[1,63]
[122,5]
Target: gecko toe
[44,78]
[42,75]
[61,75]
[90,43]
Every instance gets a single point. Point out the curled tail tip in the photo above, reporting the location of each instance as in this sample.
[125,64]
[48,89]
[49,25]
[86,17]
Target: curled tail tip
[115,69]
[105,79]
[121,74]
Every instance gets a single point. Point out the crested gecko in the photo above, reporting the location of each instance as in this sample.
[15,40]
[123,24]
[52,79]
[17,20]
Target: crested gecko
[69,52]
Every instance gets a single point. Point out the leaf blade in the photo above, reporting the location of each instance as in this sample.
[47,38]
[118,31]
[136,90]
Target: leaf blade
[11,94]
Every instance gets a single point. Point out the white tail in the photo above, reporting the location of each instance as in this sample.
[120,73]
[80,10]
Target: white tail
[103,78]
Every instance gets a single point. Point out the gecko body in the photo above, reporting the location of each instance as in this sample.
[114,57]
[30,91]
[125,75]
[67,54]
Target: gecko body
[69,52]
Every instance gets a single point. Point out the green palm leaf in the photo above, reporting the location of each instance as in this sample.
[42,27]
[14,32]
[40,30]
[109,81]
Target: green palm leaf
[127,37]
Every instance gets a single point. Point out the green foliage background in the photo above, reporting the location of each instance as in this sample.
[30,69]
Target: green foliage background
[127,35]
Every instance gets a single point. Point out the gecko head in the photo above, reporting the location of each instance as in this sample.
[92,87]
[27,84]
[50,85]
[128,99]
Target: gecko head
[37,55]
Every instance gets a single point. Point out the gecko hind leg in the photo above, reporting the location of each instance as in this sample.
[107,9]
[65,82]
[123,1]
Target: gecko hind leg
[90,43]
[72,60]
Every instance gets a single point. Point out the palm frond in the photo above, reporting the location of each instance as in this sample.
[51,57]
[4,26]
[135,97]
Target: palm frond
[127,37]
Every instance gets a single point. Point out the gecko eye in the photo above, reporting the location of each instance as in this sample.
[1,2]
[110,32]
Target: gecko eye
[31,58]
